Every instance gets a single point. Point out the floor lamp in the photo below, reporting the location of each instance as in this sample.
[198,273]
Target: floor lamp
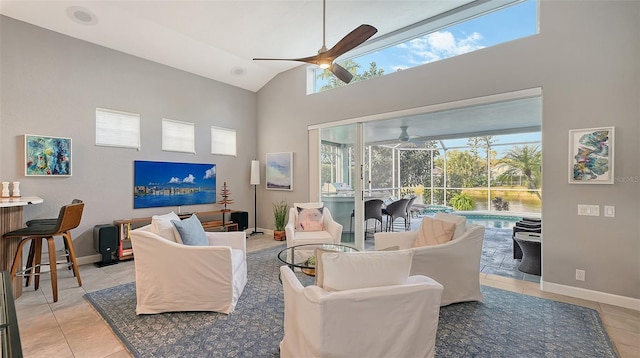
[255,181]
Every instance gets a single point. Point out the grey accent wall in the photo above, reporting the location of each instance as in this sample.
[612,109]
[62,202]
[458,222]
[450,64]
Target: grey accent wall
[52,84]
[587,61]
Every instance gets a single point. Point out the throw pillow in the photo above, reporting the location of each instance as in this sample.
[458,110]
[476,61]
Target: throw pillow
[460,221]
[191,231]
[315,205]
[434,232]
[353,270]
[161,225]
[310,219]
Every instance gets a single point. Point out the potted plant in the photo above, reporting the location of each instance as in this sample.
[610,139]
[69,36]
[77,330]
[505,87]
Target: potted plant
[280,219]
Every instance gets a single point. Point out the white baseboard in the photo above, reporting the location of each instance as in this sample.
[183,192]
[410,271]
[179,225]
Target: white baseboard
[85,260]
[597,296]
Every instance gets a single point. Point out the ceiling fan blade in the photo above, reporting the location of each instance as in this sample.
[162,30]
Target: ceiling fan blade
[353,39]
[341,72]
[310,59]
[314,60]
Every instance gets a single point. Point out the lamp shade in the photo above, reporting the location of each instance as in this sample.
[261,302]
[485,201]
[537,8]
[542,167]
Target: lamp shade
[255,172]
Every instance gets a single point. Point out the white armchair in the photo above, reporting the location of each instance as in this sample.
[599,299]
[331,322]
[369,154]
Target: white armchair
[332,233]
[390,321]
[174,277]
[455,264]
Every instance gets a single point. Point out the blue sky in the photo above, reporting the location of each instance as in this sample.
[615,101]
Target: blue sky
[500,26]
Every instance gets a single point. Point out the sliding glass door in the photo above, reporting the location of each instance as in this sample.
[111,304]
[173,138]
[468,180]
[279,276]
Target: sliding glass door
[341,177]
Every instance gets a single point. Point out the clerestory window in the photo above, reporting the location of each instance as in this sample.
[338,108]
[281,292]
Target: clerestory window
[478,25]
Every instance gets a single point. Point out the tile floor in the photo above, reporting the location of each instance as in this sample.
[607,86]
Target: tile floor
[71,327]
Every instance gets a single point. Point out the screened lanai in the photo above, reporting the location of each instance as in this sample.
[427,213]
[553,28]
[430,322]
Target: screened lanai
[481,157]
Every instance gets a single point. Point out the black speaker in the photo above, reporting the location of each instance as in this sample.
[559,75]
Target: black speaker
[105,241]
[242,218]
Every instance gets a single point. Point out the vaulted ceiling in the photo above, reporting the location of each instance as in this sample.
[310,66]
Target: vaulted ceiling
[218,39]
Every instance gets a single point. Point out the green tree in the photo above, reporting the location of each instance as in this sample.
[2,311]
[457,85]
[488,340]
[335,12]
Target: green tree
[465,171]
[380,167]
[524,160]
[372,72]
[351,66]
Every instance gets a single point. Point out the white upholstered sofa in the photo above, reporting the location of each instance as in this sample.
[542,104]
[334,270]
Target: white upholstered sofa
[455,264]
[331,234]
[377,318]
[171,276]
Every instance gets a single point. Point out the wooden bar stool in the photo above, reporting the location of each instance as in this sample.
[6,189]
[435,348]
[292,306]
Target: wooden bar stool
[68,219]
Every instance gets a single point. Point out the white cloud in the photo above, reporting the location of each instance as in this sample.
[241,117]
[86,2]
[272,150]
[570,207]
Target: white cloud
[210,173]
[397,68]
[189,179]
[439,45]
[174,180]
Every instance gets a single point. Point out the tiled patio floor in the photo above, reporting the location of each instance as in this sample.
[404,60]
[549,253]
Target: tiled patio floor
[497,255]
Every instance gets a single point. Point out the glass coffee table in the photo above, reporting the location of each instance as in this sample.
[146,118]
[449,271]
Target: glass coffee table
[303,256]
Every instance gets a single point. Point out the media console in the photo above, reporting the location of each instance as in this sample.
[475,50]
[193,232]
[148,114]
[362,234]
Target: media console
[211,221]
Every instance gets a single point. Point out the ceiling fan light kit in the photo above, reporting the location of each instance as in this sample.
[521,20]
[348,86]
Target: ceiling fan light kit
[324,59]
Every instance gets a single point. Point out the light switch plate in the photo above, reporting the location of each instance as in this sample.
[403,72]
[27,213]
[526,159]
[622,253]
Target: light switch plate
[589,210]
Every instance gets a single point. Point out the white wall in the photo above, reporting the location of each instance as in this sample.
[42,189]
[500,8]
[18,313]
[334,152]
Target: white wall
[52,84]
[587,61]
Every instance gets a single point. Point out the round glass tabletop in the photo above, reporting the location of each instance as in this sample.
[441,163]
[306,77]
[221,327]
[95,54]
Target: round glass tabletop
[303,256]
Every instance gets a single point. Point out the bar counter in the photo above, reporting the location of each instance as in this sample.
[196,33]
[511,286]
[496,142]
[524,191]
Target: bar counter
[11,219]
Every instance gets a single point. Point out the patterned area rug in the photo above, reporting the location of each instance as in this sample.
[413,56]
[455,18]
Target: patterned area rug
[506,324]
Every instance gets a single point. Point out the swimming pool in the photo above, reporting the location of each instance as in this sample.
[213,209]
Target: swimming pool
[491,219]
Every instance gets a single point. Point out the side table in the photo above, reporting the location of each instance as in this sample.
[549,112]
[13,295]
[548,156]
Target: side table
[531,244]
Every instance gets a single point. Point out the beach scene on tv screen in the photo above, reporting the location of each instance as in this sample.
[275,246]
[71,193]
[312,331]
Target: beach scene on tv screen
[158,184]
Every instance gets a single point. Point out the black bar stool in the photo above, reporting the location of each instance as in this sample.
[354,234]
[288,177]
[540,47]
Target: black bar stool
[68,219]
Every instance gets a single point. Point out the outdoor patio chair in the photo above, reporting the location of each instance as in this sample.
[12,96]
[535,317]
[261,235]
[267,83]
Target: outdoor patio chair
[395,210]
[372,210]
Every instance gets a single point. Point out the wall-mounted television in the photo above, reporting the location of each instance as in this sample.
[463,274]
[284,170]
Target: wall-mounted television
[157,184]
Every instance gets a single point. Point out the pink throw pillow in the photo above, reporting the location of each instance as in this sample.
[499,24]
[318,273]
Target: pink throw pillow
[310,219]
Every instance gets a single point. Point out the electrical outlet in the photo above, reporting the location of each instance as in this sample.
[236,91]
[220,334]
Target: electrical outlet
[580,275]
[609,211]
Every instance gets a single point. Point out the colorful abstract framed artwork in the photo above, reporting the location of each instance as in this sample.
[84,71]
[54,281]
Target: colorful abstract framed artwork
[47,156]
[591,155]
[280,171]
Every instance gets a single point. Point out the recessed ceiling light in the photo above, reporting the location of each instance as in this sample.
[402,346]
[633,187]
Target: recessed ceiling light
[238,71]
[82,15]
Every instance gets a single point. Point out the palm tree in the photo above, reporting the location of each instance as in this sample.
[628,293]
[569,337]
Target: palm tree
[525,160]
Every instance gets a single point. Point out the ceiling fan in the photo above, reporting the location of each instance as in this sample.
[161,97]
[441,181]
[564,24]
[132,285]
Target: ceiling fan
[406,138]
[404,135]
[325,57]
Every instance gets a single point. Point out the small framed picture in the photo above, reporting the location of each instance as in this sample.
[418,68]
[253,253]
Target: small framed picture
[47,156]
[280,171]
[591,155]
